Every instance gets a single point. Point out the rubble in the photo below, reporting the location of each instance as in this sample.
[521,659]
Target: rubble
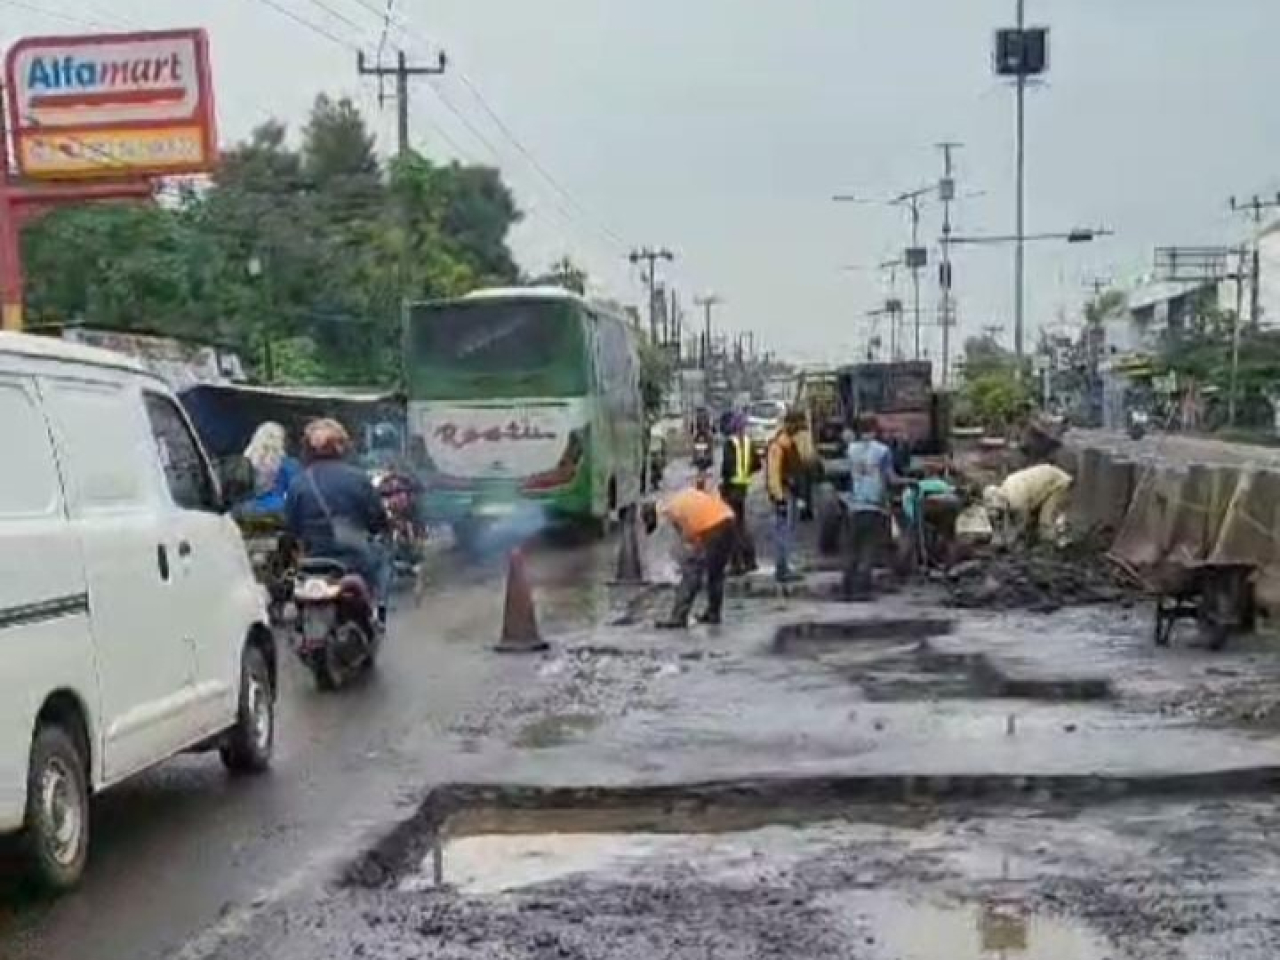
[1041,578]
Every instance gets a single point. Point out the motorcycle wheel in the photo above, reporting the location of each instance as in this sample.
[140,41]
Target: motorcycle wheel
[347,653]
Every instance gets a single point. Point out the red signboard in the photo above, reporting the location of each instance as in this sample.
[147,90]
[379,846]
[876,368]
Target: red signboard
[111,105]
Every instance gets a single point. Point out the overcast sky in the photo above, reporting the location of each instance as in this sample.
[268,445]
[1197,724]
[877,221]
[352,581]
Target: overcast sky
[720,128]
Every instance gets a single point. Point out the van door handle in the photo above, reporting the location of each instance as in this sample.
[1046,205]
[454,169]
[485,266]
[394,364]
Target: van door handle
[184,549]
[162,561]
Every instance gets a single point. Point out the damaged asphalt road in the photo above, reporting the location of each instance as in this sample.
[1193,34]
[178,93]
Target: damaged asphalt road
[891,781]
[888,782]
[882,884]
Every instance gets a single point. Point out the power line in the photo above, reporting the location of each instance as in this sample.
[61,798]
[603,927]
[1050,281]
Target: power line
[54,14]
[529,156]
[337,14]
[440,131]
[386,27]
[466,122]
[313,27]
[503,127]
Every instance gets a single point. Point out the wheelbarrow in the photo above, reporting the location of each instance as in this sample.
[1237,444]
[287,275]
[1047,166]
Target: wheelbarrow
[1218,597]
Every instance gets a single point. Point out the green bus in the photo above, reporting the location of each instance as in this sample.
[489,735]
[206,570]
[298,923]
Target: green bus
[520,396]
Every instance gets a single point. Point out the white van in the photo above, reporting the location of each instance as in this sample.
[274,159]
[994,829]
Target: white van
[131,627]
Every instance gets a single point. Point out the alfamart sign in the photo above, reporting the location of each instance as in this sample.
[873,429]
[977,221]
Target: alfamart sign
[113,105]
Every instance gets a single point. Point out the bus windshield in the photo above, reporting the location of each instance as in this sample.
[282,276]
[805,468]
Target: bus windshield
[484,348]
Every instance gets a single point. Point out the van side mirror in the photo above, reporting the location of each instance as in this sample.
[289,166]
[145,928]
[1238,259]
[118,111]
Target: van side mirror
[235,478]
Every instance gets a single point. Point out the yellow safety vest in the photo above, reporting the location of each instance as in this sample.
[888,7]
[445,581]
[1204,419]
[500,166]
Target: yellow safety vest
[741,462]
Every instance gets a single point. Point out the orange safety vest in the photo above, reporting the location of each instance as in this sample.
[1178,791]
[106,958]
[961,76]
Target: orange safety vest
[694,512]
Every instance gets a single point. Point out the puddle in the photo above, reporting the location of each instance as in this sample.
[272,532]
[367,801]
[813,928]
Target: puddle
[494,863]
[901,929]
[555,730]
[885,925]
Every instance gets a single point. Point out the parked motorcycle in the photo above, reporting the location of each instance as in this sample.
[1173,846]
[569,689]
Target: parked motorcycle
[337,634]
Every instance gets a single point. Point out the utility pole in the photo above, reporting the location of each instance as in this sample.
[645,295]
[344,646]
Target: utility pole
[650,257]
[916,257]
[402,71]
[707,303]
[947,193]
[674,331]
[1255,208]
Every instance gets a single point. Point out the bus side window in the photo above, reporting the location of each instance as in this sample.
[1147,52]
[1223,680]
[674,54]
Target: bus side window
[598,352]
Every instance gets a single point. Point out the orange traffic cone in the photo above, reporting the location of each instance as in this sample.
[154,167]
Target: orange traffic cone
[519,620]
[630,563]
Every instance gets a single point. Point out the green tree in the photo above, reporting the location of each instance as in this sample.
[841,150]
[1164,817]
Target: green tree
[993,394]
[567,274]
[337,145]
[301,254]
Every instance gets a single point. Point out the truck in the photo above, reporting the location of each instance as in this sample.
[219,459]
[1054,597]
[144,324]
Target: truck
[912,416]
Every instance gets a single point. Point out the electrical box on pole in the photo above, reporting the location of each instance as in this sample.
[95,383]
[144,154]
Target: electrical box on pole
[916,258]
[1022,52]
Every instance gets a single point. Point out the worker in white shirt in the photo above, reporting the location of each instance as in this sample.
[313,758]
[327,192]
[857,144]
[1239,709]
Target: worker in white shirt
[1036,497]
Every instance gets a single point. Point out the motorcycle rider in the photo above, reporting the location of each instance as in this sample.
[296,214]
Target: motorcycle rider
[333,510]
[273,472]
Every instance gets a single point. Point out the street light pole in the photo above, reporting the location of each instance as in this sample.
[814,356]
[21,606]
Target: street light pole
[1019,251]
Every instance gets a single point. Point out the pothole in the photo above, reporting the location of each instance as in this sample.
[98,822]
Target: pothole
[893,659]
[550,864]
[457,811]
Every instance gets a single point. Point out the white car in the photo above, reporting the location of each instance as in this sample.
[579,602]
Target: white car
[763,420]
[131,627]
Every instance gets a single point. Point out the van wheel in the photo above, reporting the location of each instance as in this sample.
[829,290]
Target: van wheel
[56,841]
[248,746]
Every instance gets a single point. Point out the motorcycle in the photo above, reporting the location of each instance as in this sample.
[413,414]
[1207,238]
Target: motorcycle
[270,552]
[1139,421]
[337,634]
[406,535]
[657,463]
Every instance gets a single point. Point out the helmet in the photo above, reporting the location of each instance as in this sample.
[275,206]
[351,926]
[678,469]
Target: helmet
[326,439]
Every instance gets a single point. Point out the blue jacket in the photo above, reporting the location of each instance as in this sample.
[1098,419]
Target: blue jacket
[348,493]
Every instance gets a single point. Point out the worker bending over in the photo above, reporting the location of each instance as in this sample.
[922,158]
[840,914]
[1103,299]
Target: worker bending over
[706,527]
[1034,498]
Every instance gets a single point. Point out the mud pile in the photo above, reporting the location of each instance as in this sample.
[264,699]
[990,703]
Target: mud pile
[1041,578]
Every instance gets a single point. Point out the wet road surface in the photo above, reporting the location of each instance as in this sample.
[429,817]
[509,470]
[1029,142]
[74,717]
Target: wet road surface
[184,846]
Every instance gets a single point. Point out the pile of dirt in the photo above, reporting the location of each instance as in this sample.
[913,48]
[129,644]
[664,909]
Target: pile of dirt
[1040,578]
